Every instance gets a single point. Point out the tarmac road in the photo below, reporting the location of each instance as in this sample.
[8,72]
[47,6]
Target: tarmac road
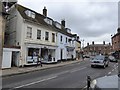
[69,76]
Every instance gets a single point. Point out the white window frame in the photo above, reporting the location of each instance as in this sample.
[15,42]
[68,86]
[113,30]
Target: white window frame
[29,32]
[38,34]
[46,37]
[53,37]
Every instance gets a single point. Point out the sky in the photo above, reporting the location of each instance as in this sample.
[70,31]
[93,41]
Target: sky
[92,20]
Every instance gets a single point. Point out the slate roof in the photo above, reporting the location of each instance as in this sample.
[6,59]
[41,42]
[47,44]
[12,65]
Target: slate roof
[39,19]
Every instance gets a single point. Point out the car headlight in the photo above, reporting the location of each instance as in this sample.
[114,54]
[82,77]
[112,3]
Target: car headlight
[93,84]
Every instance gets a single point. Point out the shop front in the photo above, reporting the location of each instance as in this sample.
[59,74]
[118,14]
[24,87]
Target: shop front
[70,53]
[46,53]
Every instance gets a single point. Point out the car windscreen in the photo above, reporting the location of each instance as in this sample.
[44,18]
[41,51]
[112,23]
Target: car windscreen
[99,58]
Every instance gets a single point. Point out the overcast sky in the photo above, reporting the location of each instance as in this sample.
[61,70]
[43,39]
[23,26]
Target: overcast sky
[92,20]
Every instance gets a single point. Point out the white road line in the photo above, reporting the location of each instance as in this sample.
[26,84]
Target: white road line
[35,82]
[109,73]
[62,73]
[75,70]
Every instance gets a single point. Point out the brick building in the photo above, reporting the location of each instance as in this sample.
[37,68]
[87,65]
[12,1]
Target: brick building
[116,43]
[95,49]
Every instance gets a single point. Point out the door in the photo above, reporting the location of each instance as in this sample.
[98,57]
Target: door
[61,54]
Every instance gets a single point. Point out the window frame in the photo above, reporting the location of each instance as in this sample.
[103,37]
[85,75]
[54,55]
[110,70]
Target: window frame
[46,36]
[39,34]
[29,33]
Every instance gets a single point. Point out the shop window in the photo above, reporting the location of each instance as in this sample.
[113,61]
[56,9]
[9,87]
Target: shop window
[33,51]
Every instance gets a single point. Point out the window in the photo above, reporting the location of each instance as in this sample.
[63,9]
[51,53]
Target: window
[30,13]
[61,39]
[29,32]
[53,37]
[46,36]
[38,34]
[48,21]
[66,39]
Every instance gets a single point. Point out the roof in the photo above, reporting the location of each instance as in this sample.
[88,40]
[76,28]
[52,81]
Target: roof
[2,11]
[98,45]
[39,19]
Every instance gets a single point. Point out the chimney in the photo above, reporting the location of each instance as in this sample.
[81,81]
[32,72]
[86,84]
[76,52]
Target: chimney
[45,12]
[78,38]
[63,23]
[118,30]
[103,42]
[87,44]
[92,42]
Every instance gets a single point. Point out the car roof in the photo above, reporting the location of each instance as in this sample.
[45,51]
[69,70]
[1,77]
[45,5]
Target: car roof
[108,82]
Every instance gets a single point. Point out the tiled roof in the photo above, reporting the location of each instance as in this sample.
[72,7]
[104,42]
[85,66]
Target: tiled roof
[98,45]
[39,19]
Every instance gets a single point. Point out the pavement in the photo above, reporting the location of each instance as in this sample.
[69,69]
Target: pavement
[17,70]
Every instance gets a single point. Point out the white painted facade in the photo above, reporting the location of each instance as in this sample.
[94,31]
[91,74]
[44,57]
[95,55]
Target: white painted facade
[7,60]
[18,27]
[64,45]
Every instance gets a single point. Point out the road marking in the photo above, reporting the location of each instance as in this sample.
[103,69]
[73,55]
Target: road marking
[62,73]
[109,73]
[35,82]
[75,70]
[113,70]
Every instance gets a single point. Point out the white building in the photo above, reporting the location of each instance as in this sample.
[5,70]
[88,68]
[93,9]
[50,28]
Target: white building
[38,34]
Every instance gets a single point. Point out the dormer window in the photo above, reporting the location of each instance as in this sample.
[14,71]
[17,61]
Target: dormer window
[30,14]
[48,21]
[58,25]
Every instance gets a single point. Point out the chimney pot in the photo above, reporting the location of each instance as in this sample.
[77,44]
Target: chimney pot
[63,23]
[45,11]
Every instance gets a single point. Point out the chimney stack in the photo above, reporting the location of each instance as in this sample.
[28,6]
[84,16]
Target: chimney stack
[87,44]
[103,42]
[63,23]
[45,12]
[92,42]
[118,30]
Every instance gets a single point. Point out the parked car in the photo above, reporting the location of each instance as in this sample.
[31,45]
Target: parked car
[100,60]
[106,82]
[112,59]
[86,56]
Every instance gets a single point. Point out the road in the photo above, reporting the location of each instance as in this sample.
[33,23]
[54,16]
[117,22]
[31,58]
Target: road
[69,76]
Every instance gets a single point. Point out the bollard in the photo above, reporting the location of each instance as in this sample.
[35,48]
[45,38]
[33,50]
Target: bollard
[88,82]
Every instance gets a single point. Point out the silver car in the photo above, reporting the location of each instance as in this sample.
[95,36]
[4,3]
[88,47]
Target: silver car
[106,83]
[100,60]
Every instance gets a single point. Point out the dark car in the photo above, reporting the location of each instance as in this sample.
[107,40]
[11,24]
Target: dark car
[100,60]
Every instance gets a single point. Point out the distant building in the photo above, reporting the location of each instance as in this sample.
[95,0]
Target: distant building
[95,49]
[116,43]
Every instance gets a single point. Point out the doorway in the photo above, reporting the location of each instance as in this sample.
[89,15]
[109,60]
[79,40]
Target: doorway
[61,54]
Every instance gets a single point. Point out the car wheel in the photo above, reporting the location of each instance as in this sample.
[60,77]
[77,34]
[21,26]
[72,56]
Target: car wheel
[107,65]
[92,66]
[104,66]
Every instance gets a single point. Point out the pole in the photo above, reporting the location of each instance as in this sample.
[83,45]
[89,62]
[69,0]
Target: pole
[88,82]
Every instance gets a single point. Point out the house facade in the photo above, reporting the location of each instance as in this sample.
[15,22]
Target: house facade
[38,34]
[2,29]
[116,44]
[95,49]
